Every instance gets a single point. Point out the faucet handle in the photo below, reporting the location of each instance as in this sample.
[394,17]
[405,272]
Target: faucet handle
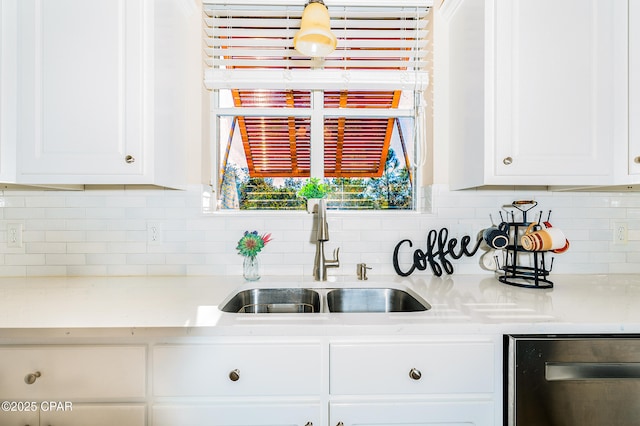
[335,262]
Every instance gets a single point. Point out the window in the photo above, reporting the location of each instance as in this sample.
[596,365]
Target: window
[352,118]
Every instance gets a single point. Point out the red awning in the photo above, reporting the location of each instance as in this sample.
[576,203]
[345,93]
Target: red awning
[281,146]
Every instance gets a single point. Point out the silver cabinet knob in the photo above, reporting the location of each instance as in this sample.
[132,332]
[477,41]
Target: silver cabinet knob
[507,160]
[129,159]
[234,375]
[636,160]
[415,374]
[32,377]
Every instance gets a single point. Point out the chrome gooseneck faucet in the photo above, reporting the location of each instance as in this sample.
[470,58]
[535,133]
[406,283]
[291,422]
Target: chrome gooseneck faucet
[321,264]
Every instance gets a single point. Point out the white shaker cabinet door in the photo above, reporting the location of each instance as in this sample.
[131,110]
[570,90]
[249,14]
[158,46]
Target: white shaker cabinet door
[538,91]
[80,89]
[556,93]
[94,415]
[445,413]
[17,416]
[273,413]
[8,99]
[634,89]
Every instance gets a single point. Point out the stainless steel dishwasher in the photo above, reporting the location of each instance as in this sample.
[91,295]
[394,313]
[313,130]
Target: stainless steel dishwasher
[576,380]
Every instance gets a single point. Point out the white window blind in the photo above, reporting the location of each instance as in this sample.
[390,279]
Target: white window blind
[382,47]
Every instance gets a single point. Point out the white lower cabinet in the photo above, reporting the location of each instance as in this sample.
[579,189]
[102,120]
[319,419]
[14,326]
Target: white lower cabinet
[408,382]
[236,369]
[74,373]
[19,418]
[52,413]
[96,415]
[441,413]
[238,414]
[237,384]
[254,381]
[73,385]
[411,368]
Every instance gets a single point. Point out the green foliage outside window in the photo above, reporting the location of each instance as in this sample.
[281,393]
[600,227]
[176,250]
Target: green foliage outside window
[391,191]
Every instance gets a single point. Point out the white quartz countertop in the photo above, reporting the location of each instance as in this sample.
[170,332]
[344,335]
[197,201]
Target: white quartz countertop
[190,305]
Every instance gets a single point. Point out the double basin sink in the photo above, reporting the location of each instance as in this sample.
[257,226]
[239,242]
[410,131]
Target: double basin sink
[339,300]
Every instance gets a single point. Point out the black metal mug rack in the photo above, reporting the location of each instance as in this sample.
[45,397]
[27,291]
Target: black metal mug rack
[512,270]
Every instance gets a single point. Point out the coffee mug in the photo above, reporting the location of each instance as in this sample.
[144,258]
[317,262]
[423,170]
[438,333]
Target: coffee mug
[497,237]
[544,239]
[561,249]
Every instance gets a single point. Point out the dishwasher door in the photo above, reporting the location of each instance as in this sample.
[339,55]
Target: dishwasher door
[572,380]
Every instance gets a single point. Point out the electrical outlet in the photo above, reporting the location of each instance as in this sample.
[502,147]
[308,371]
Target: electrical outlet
[154,233]
[14,235]
[620,233]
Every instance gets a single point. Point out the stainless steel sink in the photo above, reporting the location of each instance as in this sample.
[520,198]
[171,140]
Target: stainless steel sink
[274,300]
[373,300]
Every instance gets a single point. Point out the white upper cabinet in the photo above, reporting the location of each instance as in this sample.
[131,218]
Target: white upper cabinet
[101,91]
[538,91]
[8,99]
[634,90]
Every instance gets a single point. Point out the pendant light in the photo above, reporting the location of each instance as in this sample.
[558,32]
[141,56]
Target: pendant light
[315,38]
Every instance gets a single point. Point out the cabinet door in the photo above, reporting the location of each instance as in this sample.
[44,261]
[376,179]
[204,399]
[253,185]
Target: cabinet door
[80,90]
[94,415]
[634,88]
[237,414]
[8,98]
[19,417]
[446,413]
[557,91]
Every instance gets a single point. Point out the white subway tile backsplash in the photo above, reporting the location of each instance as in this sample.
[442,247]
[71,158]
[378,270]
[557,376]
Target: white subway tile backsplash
[86,270]
[146,258]
[9,201]
[104,231]
[40,201]
[23,213]
[64,236]
[65,259]
[124,269]
[85,247]
[33,259]
[62,213]
[166,270]
[47,270]
[45,247]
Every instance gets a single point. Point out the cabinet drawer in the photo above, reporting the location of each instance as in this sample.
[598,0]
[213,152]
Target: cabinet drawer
[236,369]
[411,368]
[234,414]
[431,413]
[73,373]
[97,415]
[19,418]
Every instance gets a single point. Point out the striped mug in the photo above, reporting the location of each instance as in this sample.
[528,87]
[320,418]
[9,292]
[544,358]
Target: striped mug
[544,239]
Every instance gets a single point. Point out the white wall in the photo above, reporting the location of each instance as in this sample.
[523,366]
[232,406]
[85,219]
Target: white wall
[104,232]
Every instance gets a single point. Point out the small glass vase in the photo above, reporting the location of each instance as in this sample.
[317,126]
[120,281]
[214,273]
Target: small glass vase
[251,268]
